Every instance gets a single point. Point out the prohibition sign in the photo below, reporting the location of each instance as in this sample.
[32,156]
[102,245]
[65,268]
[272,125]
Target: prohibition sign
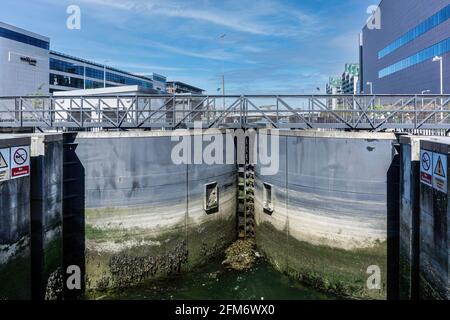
[426,162]
[20,156]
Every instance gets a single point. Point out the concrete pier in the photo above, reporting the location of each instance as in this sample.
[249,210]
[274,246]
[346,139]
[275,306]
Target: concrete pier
[15,233]
[409,217]
[434,220]
[46,215]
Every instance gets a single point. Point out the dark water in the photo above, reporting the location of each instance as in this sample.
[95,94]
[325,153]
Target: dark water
[213,282]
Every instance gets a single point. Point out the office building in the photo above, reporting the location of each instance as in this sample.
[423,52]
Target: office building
[29,67]
[350,79]
[174,87]
[24,62]
[69,73]
[334,87]
[397,55]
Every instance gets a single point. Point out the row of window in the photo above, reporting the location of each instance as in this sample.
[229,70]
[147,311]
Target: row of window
[16,36]
[65,81]
[159,78]
[89,72]
[113,77]
[416,32]
[76,83]
[424,55]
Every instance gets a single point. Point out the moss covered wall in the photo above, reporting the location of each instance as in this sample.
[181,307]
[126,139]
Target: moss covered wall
[144,214]
[434,255]
[46,215]
[330,210]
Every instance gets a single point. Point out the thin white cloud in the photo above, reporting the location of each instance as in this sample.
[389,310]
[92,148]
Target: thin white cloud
[145,68]
[219,55]
[265,17]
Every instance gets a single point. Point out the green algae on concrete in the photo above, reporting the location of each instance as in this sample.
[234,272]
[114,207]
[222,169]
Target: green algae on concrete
[213,281]
[126,257]
[333,270]
[207,239]
[52,269]
[15,277]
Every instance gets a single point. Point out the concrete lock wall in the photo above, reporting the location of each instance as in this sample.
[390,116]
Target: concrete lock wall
[434,224]
[144,215]
[330,219]
[46,215]
[15,259]
[409,217]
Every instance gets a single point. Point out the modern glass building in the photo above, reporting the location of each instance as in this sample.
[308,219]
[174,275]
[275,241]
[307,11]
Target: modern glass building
[69,73]
[24,58]
[29,67]
[350,79]
[174,87]
[397,58]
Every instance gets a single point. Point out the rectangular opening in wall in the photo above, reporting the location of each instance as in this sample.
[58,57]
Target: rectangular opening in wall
[211,204]
[267,199]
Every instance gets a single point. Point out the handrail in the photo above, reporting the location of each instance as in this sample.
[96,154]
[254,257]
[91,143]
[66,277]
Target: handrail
[354,112]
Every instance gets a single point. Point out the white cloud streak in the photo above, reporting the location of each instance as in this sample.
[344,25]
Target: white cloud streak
[265,17]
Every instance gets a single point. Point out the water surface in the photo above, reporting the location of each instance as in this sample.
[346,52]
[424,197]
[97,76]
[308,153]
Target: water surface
[214,282]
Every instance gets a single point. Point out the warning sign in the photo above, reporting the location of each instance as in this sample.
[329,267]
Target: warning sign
[426,167]
[5,159]
[20,162]
[440,172]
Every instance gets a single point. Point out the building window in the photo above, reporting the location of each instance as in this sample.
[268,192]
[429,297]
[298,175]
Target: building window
[19,37]
[211,204]
[416,32]
[422,56]
[65,81]
[267,199]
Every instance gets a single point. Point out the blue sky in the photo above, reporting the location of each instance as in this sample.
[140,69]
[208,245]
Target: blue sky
[262,46]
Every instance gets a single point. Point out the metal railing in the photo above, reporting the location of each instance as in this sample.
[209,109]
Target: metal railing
[353,112]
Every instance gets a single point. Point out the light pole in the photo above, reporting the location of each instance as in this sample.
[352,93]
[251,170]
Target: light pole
[423,92]
[441,69]
[223,71]
[371,86]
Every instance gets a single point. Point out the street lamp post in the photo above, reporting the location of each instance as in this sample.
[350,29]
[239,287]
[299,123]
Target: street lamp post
[221,38]
[423,92]
[441,71]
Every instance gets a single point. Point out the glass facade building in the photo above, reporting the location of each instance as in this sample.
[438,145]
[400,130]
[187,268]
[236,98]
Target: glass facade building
[397,57]
[28,67]
[424,55]
[68,72]
[23,38]
[432,22]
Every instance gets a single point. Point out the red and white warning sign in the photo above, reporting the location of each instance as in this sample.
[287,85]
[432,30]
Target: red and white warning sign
[20,162]
[426,167]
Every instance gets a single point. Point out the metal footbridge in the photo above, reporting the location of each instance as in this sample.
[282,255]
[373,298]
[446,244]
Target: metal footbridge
[344,112]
